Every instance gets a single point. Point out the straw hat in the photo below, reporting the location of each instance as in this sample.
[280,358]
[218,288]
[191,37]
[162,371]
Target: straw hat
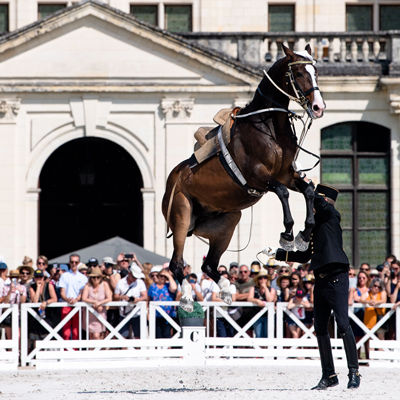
[309,278]
[14,273]
[96,271]
[31,270]
[261,273]
[278,281]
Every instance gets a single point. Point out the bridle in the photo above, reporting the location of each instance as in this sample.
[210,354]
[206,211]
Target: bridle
[301,98]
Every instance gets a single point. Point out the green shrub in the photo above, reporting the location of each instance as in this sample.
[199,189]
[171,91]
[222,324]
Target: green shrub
[196,313]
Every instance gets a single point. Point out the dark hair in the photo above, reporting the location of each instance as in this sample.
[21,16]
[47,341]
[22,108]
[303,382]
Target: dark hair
[364,263]
[194,276]
[391,256]
[300,286]
[223,266]
[255,263]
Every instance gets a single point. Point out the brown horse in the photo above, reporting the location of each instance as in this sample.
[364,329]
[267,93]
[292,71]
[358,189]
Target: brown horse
[207,201]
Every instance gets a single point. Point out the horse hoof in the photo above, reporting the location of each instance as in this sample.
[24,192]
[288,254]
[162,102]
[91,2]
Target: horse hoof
[186,304]
[300,244]
[286,245]
[225,297]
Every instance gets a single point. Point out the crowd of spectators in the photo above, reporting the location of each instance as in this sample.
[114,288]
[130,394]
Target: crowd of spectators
[127,279]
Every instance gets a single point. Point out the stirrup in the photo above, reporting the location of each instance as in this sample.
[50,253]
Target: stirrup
[300,244]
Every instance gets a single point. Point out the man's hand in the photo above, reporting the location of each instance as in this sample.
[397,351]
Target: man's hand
[270,251]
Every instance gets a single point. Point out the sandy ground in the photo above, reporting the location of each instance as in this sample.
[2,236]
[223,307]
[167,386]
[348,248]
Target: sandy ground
[194,384]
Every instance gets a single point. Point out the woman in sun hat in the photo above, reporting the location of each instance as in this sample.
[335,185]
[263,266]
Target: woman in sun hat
[97,293]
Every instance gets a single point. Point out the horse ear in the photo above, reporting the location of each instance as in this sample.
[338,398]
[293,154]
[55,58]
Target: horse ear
[308,48]
[287,51]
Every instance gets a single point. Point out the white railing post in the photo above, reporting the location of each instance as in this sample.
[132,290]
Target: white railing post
[143,320]
[24,334]
[152,320]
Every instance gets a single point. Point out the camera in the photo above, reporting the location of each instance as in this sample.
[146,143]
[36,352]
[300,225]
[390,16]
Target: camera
[14,281]
[128,255]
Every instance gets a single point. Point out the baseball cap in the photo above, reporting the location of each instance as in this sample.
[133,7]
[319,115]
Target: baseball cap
[64,267]
[109,260]
[38,273]
[300,293]
[3,265]
[233,264]
[92,261]
[136,271]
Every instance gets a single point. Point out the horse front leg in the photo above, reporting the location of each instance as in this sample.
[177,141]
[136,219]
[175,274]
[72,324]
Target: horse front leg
[303,238]
[286,240]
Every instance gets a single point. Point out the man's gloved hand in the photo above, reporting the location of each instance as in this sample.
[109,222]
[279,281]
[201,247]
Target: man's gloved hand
[270,251]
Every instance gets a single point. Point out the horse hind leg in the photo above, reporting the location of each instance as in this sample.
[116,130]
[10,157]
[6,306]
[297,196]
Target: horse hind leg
[219,231]
[286,240]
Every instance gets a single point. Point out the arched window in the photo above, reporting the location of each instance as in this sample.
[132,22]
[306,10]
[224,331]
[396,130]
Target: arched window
[356,160]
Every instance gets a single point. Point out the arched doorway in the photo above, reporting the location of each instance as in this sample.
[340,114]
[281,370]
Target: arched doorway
[90,191]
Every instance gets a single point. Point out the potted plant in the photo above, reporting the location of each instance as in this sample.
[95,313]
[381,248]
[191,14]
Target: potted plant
[194,318]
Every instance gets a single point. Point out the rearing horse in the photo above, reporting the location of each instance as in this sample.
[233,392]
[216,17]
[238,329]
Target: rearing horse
[206,201]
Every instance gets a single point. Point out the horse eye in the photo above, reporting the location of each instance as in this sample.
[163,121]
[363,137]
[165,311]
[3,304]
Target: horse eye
[299,74]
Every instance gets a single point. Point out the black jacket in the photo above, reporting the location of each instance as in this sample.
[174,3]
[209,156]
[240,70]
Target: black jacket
[326,246]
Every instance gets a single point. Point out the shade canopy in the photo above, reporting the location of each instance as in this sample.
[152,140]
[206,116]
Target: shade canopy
[111,248]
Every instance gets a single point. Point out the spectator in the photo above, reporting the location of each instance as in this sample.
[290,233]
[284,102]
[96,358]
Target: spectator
[283,282]
[42,262]
[376,296]
[355,294]
[234,267]
[207,287]
[365,267]
[111,276]
[243,286]
[196,289]
[272,273]
[41,292]
[187,269]
[71,284]
[25,278]
[13,293]
[261,294]
[27,261]
[395,296]
[83,269]
[154,273]
[3,277]
[131,289]
[296,282]
[302,270]
[254,269]
[93,262]
[308,282]
[222,268]
[352,278]
[163,290]
[147,267]
[124,261]
[285,270]
[297,305]
[233,277]
[224,328]
[96,292]
[374,274]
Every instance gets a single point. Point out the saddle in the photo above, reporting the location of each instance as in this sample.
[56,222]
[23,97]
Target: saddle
[207,144]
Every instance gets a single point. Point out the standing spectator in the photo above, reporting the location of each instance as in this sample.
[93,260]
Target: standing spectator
[41,292]
[395,295]
[261,294]
[25,278]
[207,287]
[97,293]
[254,269]
[283,282]
[272,273]
[42,262]
[376,296]
[243,286]
[233,267]
[296,282]
[352,278]
[3,277]
[163,290]
[131,289]
[301,269]
[147,267]
[233,277]
[27,261]
[365,267]
[222,268]
[71,284]
[308,282]
[13,293]
[154,273]
[224,328]
[124,261]
[111,276]
[297,305]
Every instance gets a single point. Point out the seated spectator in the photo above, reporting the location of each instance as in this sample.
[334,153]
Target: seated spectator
[131,289]
[376,296]
[13,293]
[25,278]
[97,293]
[196,289]
[297,305]
[254,269]
[224,328]
[308,282]
[261,294]
[71,284]
[41,292]
[164,289]
[83,269]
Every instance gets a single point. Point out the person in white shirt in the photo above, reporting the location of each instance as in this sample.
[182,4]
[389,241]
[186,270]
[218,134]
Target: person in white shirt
[297,306]
[131,289]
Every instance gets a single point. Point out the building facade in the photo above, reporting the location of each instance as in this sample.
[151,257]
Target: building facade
[97,107]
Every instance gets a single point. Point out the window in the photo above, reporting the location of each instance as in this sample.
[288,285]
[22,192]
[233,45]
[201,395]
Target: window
[178,18]
[145,13]
[389,17]
[359,18]
[44,10]
[356,159]
[3,18]
[281,18]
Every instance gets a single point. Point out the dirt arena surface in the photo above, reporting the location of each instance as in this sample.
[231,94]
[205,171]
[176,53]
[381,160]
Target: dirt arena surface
[244,383]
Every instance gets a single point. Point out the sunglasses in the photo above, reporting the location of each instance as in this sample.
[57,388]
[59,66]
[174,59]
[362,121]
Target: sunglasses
[262,277]
[377,286]
[95,277]
[244,272]
[74,262]
[352,274]
[25,273]
[284,271]
[40,263]
[364,269]
[152,276]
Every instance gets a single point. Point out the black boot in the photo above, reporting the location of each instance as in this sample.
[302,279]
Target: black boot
[329,377]
[350,348]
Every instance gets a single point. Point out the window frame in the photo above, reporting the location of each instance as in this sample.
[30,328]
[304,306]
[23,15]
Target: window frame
[380,12]
[53,3]
[355,188]
[354,5]
[190,5]
[8,17]
[155,5]
[272,5]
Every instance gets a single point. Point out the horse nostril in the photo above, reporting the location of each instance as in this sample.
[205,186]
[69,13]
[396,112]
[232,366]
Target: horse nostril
[315,108]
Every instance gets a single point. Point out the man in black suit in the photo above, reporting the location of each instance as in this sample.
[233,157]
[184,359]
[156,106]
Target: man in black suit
[330,266]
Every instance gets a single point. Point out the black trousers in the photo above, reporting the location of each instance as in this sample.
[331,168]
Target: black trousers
[331,294]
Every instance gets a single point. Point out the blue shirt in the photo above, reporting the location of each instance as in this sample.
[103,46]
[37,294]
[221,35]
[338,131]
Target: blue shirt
[72,283]
[163,294]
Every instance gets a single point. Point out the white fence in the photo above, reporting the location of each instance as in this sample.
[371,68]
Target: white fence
[188,346]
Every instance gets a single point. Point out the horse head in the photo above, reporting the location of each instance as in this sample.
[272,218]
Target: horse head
[302,81]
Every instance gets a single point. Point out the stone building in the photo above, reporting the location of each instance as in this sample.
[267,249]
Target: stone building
[96,108]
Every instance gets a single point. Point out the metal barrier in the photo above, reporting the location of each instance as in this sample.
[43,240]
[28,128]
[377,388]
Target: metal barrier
[200,346]
[9,352]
